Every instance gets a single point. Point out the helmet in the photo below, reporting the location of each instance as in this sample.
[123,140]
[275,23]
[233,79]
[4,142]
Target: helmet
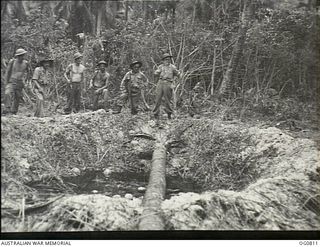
[20,52]
[46,59]
[166,55]
[77,55]
[134,63]
[102,62]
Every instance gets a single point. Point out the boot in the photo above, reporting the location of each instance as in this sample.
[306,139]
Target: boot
[67,111]
[134,112]
[118,110]
[5,112]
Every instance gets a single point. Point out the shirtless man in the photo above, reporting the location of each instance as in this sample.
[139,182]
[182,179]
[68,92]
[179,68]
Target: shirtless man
[99,85]
[75,77]
[14,81]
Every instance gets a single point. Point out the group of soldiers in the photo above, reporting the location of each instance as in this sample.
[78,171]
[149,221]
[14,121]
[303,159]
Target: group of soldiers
[132,87]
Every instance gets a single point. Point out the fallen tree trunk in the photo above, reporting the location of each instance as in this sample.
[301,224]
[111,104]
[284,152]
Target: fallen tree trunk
[151,218]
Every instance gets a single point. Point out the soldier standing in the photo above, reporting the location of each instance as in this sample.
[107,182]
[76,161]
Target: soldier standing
[99,85]
[164,77]
[14,81]
[132,88]
[75,77]
[41,78]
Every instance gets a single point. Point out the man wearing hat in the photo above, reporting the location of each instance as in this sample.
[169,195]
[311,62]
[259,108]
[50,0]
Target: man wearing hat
[14,81]
[40,79]
[132,87]
[99,84]
[164,77]
[75,78]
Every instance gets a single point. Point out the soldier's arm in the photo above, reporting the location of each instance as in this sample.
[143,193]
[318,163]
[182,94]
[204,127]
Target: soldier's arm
[29,70]
[8,71]
[145,79]
[91,81]
[83,75]
[143,90]
[82,82]
[66,74]
[124,82]
[176,72]
[37,85]
[157,74]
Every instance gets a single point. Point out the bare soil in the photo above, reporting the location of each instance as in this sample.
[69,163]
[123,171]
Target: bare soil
[87,171]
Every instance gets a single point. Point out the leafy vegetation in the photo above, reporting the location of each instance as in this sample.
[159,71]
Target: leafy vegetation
[274,48]
[240,60]
[221,162]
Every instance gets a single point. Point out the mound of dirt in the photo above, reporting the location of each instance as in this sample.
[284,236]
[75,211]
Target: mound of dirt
[253,178]
[82,213]
[285,197]
[212,153]
[35,149]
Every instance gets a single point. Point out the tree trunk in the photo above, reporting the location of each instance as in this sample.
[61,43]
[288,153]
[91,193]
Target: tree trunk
[193,14]
[214,52]
[89,15]
[151,218]
[173,15]
[3,7]
[126,11]
[21,12]
[99,18]
[145,12]
[213,69]
[236,53]
[226,78]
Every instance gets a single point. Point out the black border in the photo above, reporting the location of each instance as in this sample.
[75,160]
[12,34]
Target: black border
[166,235]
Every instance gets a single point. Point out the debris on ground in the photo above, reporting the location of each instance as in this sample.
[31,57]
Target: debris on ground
[220,174]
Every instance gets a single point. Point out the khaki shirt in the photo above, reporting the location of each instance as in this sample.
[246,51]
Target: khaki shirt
[137,81]
[167,72]
[76,72]
[100,79]
[41,75]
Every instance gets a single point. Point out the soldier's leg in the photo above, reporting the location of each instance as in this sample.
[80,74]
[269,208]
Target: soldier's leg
[16,99]
[123,98]
[168,101]
[134,104]
[8,97]
[106,98]
[159,94]
[68,108]
[39,108]
[95,101]
[77,97]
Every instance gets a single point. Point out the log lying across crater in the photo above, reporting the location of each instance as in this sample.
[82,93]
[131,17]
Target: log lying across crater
[90,172]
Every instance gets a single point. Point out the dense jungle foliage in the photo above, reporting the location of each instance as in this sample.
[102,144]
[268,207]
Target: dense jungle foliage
[252,55]
[242,152]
